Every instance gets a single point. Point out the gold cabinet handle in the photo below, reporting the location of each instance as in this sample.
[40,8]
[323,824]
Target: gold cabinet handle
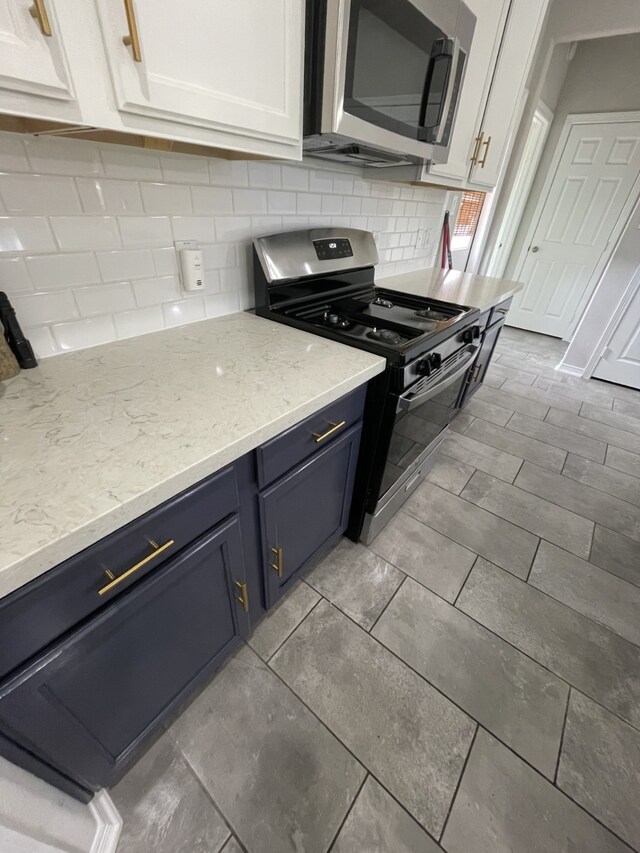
[486,144]
[476,150]
[334,428]
[277,566]
[115,581]
[132,40]
[39,13]
[243,598]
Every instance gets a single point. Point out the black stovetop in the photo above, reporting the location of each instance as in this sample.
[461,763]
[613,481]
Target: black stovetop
[390,323]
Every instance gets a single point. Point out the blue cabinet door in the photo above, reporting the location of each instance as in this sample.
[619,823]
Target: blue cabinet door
[306,511]
[88,704]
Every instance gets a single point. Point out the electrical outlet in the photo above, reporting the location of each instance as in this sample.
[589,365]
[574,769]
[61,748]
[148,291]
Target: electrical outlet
[186,244]
[423,238]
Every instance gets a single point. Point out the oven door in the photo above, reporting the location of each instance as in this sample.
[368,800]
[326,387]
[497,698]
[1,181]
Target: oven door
[393,71]
[422,414]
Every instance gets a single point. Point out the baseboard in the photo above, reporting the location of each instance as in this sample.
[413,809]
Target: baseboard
[108,823]
[570,369]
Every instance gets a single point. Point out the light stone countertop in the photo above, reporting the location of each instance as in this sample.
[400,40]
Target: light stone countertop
[463,288]
[91,440]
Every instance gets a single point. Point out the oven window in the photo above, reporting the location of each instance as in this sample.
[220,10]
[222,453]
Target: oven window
[390,46]
[415,431]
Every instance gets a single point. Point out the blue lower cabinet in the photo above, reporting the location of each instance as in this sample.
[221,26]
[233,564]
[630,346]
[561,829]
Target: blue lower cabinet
[306,511]
[88,705]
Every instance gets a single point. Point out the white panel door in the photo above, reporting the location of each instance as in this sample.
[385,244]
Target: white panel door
[31,61]
[597,169]
[490,20]
[210,63]
[621,362]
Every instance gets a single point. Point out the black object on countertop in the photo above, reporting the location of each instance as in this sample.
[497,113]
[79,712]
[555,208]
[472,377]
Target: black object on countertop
[14,335]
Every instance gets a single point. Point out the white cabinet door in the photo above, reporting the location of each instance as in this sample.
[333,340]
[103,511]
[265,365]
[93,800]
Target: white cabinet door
[502,112]
[32,62]
[490,19]
[213,64]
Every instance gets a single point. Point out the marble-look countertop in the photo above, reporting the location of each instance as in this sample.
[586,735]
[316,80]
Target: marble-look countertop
[93,439]
[463,288]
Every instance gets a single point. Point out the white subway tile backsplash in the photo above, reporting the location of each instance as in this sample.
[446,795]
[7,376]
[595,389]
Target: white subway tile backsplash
[139,231]
[140,321]
[123,263]
[62,271]
[43,194]
[249,201]
[187,311]
[264,174]
[155,291]
[211,200]
[108,195]
[62,156]
[130,163]
[40,308]
[84,333]
[281,202]
[14,277]
[93,301]
[166,198]
[85,232]
[295,178]
[200,228]
[115,212]
[184,169]
[25,234]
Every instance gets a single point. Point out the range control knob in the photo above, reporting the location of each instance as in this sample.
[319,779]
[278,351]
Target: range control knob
[435,359]
[428,364]
[471,334]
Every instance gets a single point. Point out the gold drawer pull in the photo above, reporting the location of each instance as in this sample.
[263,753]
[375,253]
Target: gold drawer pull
[334,427]
[243,598]
[147,559]
[486,144]
[476,150]
[39,13]
[277,566]
[132,40]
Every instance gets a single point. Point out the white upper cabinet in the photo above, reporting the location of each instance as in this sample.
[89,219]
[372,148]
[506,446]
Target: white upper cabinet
[502,112]
[228,67]
[33,62]
[490,18]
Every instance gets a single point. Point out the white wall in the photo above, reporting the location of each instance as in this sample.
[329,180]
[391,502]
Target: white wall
[572,20]
[87,231]
[602,77]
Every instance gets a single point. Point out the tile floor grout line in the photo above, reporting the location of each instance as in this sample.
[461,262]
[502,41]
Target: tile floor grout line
[603,423]
[349,810]
[458,783]
[535,554]
[563,730]
[597,488]
[384,609]
[586,486]
[293,630]
[464,583]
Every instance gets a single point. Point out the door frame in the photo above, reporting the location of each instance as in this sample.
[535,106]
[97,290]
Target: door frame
[523,180]
[571,121]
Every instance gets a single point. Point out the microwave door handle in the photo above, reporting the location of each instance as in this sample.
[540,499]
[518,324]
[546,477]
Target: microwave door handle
[434,133]
[407,403]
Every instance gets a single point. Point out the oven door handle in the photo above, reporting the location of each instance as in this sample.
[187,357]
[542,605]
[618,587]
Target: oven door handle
[406,402]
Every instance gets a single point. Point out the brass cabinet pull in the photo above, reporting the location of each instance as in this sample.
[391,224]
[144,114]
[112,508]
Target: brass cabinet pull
[277,566]
[486,144]
[243,598]
[334,428]
[132,40]
[147,559]
[39,13]
[476,150]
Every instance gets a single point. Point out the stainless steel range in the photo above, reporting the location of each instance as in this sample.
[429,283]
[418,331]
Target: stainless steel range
[322,280]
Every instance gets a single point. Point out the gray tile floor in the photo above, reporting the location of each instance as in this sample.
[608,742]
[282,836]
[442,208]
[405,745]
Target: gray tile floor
[468,683]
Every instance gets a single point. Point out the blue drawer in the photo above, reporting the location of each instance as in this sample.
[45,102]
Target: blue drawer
[43,610]
[299,442]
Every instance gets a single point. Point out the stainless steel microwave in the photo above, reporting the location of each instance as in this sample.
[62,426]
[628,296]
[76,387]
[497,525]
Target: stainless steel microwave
[383,78]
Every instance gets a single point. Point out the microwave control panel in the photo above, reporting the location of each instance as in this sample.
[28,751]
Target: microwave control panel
[329,250]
